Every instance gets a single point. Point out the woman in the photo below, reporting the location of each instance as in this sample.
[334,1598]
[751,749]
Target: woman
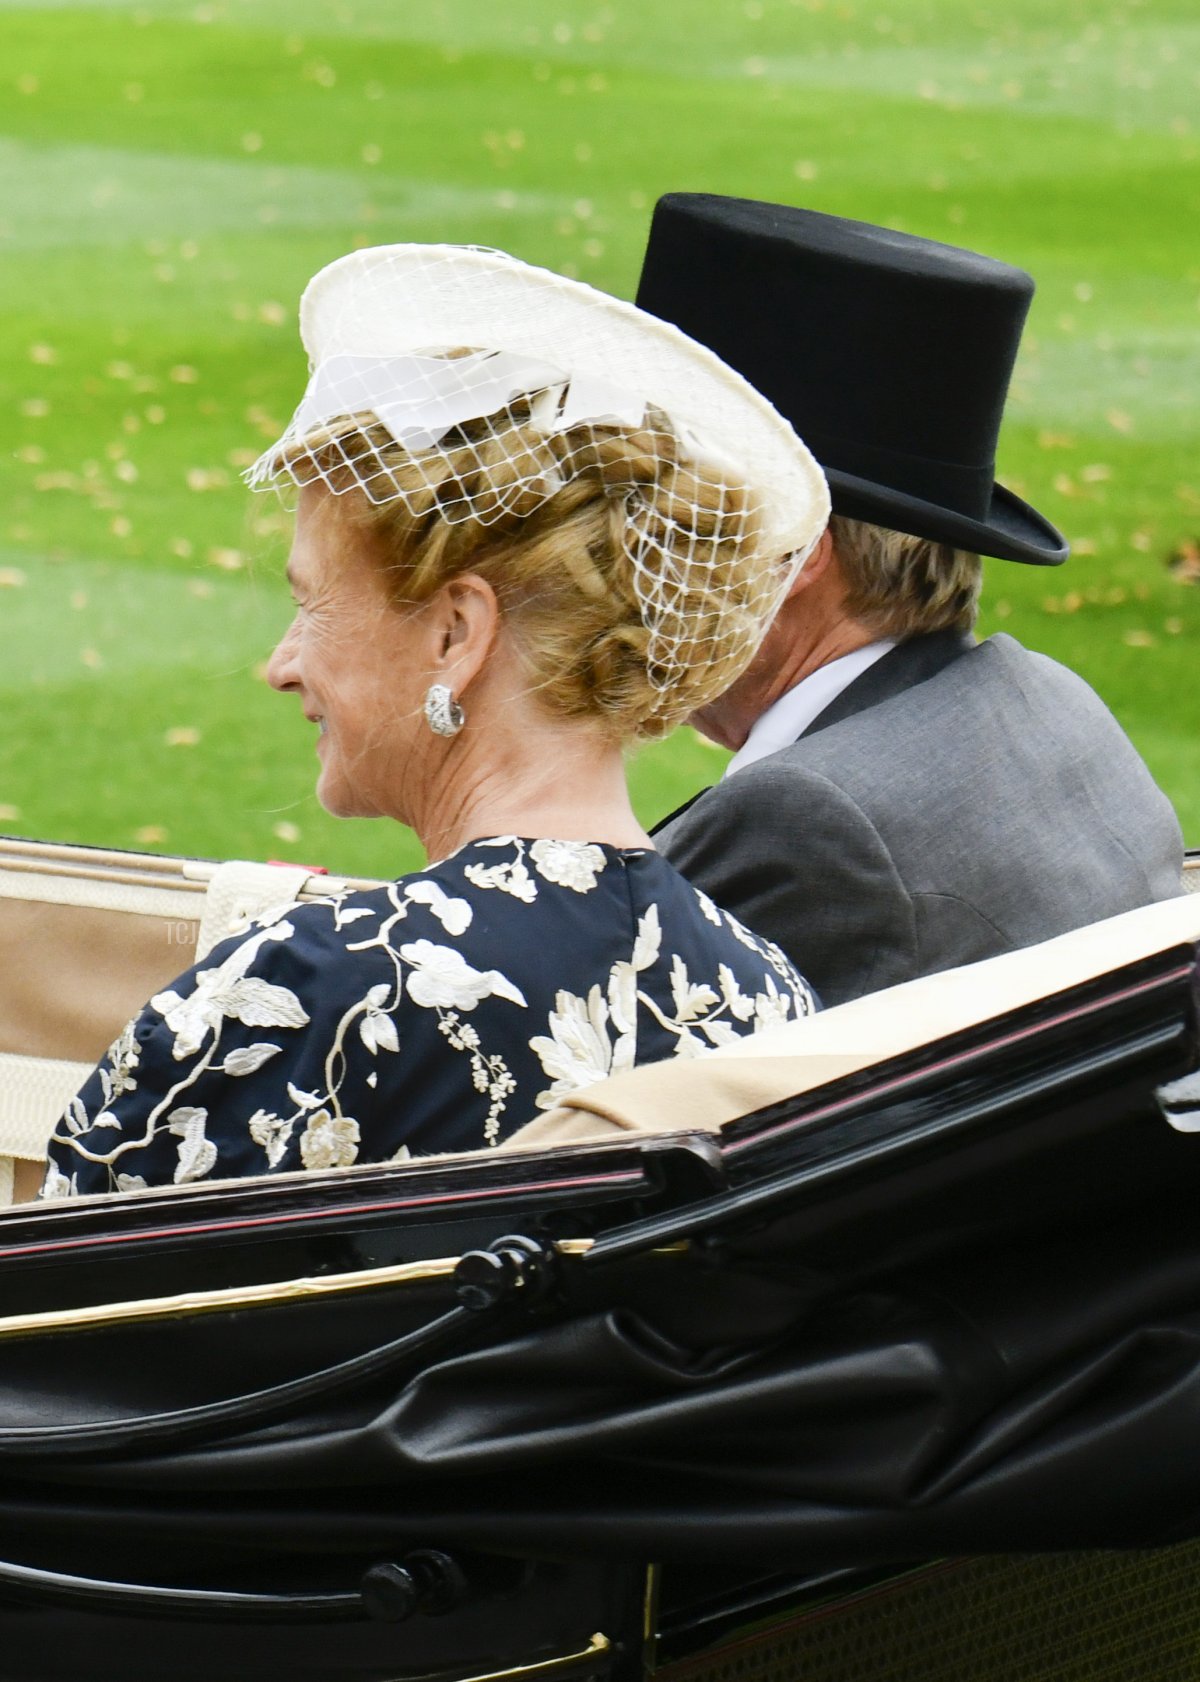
[534,524]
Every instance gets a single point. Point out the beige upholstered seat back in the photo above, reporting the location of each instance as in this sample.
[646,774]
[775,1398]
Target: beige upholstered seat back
[86,937]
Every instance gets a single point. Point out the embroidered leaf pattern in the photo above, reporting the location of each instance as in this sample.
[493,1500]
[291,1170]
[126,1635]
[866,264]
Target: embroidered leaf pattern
[648,944]
[452,913]
[246,1059]
[197,1153]
[505,979]
[261,1004]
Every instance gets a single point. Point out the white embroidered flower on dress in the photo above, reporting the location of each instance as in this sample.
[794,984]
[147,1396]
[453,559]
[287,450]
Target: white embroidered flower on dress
[124,1054]
[272,1133]
[377,1030]
[197,1154]
[739,1005]
[579,1051]
[440,975]
[329,1142]
[771,1007]
[568,864]
[510,877]
[453,914]
[691,999]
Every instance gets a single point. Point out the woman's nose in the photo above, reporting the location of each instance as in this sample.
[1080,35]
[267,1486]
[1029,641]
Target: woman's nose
[282,673]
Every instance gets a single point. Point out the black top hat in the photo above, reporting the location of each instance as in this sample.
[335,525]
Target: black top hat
[890,355]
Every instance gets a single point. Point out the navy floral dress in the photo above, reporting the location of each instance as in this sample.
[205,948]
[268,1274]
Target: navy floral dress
[437,1013]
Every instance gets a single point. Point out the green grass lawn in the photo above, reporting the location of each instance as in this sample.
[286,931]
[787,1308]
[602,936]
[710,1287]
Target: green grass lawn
[174,172]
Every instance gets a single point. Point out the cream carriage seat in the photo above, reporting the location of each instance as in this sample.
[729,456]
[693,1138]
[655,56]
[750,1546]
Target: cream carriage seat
[86,937]
[720,1086]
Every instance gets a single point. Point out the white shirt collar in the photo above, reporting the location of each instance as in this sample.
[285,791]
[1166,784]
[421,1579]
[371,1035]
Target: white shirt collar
[794,711]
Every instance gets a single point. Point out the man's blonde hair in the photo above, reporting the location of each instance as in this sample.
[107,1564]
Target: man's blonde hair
[902,586]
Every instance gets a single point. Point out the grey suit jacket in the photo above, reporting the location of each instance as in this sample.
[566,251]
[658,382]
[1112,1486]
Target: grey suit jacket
[957,800]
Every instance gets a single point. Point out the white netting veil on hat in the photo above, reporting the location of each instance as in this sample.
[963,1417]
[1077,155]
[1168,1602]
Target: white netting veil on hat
[470,386]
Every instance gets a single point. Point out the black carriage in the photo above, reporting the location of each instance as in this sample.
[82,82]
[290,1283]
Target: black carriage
[895,1373]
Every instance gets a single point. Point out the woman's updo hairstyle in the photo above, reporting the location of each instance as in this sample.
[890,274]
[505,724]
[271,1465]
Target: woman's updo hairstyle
[630,569]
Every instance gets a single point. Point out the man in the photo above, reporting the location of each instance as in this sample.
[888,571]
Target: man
[903,798]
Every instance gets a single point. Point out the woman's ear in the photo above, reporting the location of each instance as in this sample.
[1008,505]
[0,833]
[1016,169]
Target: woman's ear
[464,623]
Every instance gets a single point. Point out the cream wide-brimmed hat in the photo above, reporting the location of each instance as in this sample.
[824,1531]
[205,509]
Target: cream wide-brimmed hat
[428,338]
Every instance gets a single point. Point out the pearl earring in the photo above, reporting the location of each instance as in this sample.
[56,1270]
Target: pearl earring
[442,711]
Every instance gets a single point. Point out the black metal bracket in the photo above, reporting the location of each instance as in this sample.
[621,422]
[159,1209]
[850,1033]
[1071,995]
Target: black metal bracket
[510,1269]
[428,1581]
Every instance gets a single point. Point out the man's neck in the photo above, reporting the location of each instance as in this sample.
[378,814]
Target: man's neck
[791,652]
[800,706]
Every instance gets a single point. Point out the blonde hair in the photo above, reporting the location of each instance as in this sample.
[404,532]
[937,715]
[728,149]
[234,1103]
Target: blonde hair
[561,515]
[902,586]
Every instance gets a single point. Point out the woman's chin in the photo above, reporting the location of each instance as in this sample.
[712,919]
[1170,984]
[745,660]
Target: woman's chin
[335,797]
[341,801]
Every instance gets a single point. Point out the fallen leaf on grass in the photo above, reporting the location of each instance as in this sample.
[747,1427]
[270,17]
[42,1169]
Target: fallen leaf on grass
[1184,564]
[150,833]
[182,736]
[11,578]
